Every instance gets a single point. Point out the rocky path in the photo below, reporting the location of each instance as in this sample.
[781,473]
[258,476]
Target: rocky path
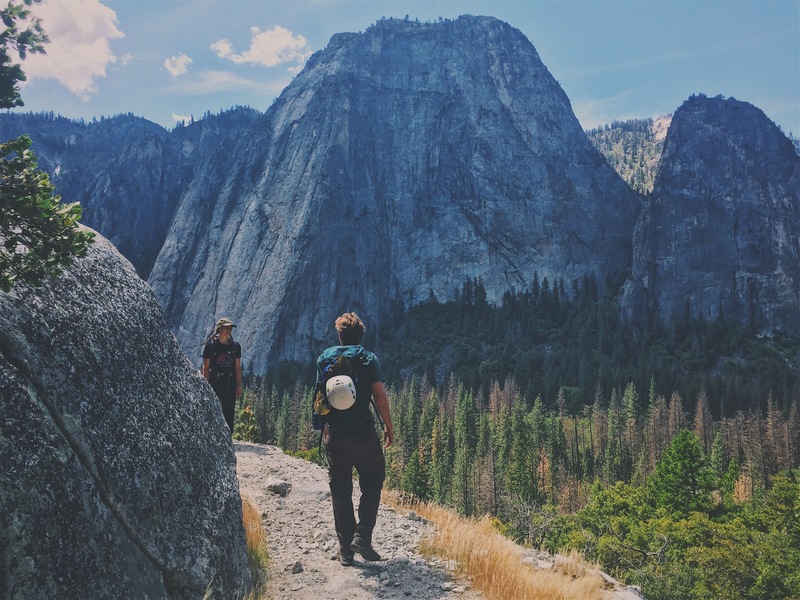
[302,541]
[304,551]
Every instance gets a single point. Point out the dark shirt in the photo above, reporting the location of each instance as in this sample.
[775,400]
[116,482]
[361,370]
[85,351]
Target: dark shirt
[223,357]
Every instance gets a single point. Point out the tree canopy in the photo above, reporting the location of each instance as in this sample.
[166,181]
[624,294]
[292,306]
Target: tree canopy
[39,236]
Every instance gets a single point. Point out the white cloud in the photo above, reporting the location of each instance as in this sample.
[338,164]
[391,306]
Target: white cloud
[177,65]
[212,82]
[593,112]
[268,48]
[180,118]
[80,44]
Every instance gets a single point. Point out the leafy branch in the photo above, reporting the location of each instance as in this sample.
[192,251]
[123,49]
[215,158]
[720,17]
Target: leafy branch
[39,236]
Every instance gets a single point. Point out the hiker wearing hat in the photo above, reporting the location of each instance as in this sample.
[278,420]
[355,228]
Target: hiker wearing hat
[222,366]
[351,439]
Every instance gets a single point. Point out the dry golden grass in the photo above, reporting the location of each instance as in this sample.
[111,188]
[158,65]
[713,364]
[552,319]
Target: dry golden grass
[256,540]
[494,563]
[257,554]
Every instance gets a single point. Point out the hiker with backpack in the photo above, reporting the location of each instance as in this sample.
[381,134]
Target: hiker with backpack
[222,366]
[349,379]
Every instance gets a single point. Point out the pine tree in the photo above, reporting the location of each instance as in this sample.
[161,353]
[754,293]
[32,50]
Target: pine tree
[776,442]
[630,406]
[413,481]
[307,438]
[793,434]
[520,465]
[556,455]
[442,458]
[465,443]
[677,418]
[718,460]
[682,481]
[599,426]
[409,413]
[657,430]
[283,432]
[488,493]
[703,421]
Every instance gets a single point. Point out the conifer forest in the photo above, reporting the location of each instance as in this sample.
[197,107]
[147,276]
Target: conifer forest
[669,456]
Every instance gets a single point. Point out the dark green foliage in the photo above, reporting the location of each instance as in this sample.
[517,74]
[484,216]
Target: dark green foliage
[14,39]
[682,480]
[582,345]
[686,528]
[39,236]
[577,432]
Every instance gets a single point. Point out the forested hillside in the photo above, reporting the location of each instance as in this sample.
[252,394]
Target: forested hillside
[648,452]
[633,148]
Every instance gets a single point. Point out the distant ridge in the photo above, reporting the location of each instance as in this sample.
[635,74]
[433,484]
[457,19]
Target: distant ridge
[633,148]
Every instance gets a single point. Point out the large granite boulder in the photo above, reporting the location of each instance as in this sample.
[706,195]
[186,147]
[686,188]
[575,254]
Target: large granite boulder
[117,473]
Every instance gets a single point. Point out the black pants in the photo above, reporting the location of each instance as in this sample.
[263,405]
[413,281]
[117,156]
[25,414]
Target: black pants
[360,449]
[225,388]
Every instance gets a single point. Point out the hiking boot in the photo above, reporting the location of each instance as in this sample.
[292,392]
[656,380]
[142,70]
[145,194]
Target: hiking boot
[345,558]
[364,548]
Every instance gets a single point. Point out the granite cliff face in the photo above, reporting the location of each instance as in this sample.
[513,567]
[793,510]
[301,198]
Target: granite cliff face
[719,237]
[398,163]
[118,474]
[128,173]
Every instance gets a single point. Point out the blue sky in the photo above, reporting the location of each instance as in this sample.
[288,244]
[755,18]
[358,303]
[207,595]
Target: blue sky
[616,59]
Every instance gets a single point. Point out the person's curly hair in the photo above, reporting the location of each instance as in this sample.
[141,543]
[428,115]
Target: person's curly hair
[350,329]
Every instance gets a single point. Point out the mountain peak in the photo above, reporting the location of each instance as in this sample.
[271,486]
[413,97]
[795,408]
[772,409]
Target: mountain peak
[400,162]
[721,222]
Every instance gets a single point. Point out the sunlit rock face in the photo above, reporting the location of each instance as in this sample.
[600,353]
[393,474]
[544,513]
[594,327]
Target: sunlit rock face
[117,473]
[398,163]
[719,237]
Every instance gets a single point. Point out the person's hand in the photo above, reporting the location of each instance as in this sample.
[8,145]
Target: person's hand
[238,390]
[325,433]
[388,437]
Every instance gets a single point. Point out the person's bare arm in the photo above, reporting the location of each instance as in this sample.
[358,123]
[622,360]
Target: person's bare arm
[238,377]
[382,403]
[206,367]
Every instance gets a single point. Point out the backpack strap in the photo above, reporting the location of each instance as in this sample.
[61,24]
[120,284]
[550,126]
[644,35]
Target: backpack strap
[360,361]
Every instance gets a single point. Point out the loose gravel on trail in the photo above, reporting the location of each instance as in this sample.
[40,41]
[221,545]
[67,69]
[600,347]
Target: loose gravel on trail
[302,541]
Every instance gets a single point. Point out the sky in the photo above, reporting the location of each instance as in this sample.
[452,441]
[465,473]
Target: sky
[173,60]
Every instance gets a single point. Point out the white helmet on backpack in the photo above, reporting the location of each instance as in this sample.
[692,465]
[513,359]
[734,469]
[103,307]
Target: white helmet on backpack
[341,392]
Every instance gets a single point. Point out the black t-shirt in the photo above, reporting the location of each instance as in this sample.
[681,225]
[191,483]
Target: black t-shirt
[223,357]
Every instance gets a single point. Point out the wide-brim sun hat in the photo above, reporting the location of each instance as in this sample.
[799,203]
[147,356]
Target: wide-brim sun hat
[224,322]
